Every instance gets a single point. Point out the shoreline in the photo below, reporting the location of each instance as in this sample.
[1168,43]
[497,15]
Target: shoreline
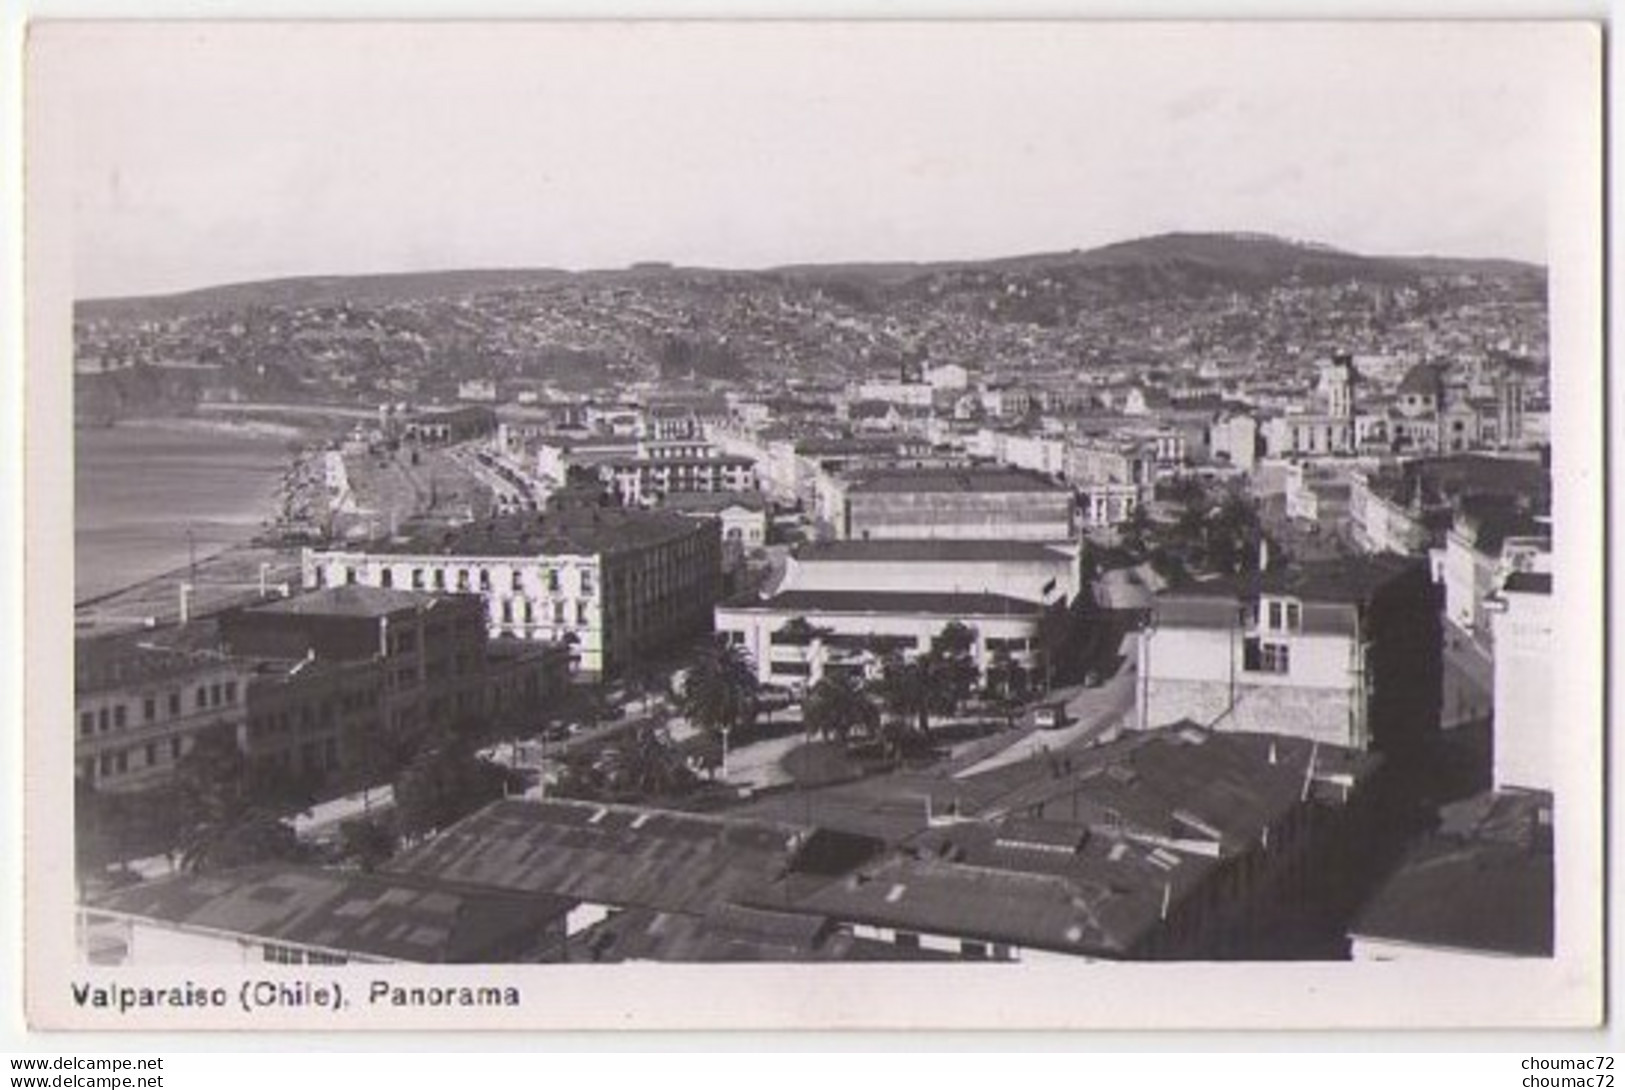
[144,592]
[253,429]
[169,575]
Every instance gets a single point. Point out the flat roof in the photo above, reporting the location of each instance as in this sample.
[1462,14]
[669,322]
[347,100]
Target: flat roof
[656,461]
[931,550]
[572,531]
[1347,580]
[356,601]
[944,604]
[131,659]
[957,480]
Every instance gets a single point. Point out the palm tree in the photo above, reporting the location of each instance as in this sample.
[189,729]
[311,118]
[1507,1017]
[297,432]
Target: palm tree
[719,690]
[951,667]
[904,689]
[837,706]
[229,815]
[642,764]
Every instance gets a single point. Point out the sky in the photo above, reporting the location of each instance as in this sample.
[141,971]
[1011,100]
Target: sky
[201,154]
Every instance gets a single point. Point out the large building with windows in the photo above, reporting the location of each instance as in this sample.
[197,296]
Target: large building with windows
[1028,570]
[1344,652]
[644,480]
[341,672]
[608,583]
[140,707]
[797,636]
[321,687]
[979,503]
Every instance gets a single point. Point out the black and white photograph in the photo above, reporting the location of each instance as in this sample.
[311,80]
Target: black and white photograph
[814,525]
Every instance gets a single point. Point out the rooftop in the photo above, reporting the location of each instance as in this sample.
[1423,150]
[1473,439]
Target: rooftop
[1179,782]
[943,604]
[131,659]
[961,480]
[935,550]
[710,502]
[391,917]
[728,933]
[1346,581]
[662,460]
[572,531]
[1069,913]
[1529,582]
[1435,481]
[351,601]
[1477,895]
[619,855]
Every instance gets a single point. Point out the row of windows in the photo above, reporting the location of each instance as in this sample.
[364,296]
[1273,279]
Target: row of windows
[116,716]
[311,716]
[462,580]
[294,955]
[560,611]
[119,762]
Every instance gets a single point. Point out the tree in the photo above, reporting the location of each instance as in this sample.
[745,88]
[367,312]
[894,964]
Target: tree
[1233,536]
[445,781]
[1135,532]
[645,763]
[904,689]
[229,811]
[1054,637]
[367,842]
[1007,685]
[951,667]
[648,680]
[719,690]
[837,706]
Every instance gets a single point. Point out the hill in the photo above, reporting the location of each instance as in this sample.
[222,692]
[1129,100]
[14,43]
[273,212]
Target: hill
[1179,263]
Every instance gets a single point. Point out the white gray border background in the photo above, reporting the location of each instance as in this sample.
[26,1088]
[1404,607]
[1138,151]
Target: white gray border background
[1578,517]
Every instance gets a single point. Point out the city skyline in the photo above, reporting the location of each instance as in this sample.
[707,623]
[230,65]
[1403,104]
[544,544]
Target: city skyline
[746,146]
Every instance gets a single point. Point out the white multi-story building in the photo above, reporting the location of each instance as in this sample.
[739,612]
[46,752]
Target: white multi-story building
[1027,570]
[642,481]
[1344,652]
[610,584]
[795,637]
